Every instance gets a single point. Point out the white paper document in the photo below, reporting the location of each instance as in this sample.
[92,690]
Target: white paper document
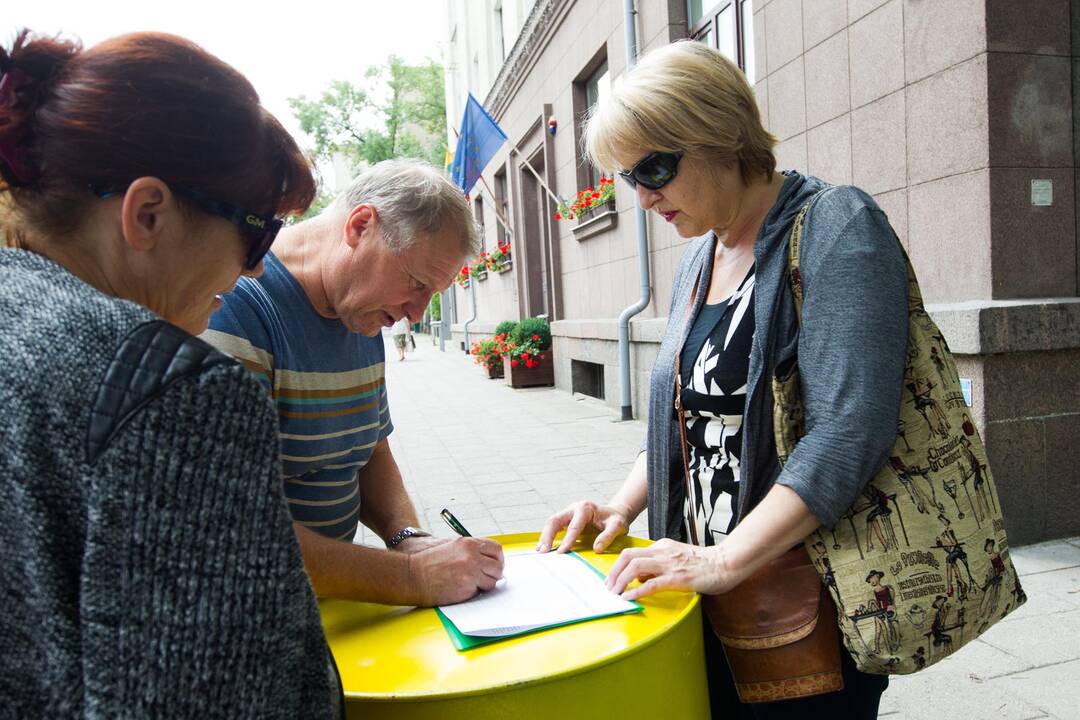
[537,590]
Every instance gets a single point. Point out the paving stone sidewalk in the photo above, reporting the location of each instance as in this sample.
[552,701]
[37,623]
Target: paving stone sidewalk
[504,460]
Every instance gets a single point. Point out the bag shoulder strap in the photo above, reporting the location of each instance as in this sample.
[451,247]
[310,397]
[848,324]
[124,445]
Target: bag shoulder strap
[794,275]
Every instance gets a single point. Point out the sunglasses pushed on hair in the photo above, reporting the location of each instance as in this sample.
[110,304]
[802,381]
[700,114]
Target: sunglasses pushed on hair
[653,171]
[259,230]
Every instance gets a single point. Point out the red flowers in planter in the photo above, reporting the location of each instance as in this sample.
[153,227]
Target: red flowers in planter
[498,257]
[463,275]
[493,261]
[526,345]
[587,199]
[488,352]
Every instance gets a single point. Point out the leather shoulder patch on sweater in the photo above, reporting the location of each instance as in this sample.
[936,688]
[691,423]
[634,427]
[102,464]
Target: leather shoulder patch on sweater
[151,358]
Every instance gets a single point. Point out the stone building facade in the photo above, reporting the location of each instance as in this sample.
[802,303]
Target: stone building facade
[962,119]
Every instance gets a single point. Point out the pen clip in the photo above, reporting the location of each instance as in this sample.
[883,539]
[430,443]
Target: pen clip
[454,523]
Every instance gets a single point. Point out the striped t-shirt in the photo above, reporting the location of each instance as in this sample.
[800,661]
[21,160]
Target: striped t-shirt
[328,385]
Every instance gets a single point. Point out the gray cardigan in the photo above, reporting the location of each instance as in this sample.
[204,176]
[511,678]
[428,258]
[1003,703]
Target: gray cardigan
[148,566]
[850,350]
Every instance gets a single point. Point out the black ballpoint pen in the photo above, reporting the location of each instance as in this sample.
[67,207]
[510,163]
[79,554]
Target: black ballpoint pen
[454,523]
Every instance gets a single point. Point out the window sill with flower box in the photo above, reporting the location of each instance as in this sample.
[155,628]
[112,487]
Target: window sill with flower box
[593,208]
[596,220]
[496,261]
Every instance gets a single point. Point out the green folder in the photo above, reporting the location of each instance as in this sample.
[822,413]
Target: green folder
[462,641]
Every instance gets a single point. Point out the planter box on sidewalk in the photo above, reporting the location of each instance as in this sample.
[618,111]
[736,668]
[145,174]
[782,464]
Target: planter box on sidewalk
[542,373]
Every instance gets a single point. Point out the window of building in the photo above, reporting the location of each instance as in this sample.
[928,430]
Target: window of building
[727,26]
[590,86]
[500,39]
[453,70]
[502,203]
[597,86]
[478,213]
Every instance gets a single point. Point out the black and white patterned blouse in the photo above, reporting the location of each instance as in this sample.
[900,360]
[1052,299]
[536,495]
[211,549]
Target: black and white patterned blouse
[714,365]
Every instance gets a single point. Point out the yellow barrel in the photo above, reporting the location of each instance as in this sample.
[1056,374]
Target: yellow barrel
[399,662]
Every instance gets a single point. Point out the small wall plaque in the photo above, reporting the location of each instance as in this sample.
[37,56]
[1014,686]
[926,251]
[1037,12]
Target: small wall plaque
[1042,193]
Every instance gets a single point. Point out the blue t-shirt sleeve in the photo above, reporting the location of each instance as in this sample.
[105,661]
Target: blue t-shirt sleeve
[378,354]
[386,426]
[241,331]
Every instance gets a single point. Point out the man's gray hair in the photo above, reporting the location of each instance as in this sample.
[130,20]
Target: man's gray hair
[413,198]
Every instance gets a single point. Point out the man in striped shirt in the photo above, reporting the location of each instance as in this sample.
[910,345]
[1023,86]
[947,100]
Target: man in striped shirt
[310,328]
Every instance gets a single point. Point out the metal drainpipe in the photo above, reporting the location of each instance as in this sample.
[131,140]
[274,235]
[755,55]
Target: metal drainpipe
[445,306]
[643,248]
[472,296]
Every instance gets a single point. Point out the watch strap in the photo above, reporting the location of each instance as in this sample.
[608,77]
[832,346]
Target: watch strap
[405,532]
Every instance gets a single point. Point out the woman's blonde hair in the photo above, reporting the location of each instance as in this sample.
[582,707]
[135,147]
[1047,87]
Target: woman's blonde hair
[684,96]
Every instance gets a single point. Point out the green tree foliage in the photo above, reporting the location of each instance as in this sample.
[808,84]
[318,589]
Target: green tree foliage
[399,112]
[321,201]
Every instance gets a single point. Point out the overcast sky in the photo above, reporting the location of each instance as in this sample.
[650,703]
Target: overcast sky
[285,49]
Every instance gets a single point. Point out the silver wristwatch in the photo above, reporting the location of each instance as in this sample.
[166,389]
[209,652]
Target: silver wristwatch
[405,532]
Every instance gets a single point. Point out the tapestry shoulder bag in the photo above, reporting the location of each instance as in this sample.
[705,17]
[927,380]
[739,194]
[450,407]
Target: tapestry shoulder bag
[919,565]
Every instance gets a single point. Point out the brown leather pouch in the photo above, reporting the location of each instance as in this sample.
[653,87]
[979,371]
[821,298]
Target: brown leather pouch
[778,629]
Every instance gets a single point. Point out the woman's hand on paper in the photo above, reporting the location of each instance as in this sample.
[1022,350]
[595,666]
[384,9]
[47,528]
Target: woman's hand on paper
[671,565]
[454,571]
[607,519]
[779,522]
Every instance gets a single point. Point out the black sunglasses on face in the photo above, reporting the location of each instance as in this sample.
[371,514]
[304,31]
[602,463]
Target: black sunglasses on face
[259,230]
[653,171]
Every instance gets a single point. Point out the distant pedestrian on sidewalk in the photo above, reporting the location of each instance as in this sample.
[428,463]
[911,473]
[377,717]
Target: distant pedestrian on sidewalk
[310,329]
[400,333]
[685,123]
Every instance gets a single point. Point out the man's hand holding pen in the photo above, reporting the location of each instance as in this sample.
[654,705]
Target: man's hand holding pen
[454,571]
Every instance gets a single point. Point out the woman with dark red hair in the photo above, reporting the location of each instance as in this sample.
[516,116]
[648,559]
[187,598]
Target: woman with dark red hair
[147,560]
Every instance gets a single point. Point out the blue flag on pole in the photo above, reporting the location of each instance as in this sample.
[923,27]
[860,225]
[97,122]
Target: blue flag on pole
[480,139]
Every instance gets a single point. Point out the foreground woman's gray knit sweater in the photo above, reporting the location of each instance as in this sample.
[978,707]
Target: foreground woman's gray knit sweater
[148,566]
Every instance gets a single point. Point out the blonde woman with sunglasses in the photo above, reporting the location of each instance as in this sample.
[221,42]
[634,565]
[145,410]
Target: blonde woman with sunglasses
[683,129]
